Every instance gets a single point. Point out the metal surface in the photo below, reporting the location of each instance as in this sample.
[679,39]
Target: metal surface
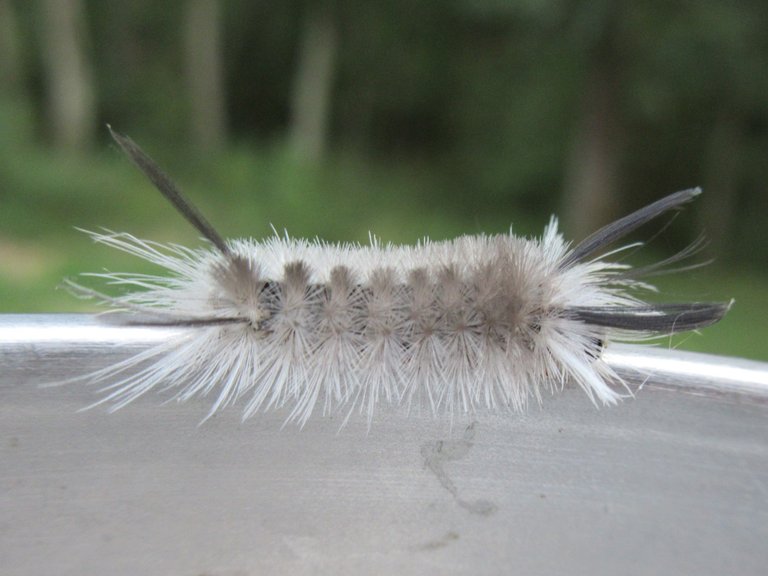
[674,480]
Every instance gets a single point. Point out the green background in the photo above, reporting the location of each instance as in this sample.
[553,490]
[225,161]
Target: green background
[408,119]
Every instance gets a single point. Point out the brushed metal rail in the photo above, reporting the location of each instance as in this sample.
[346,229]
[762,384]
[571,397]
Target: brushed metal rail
[672,481]
[27,338]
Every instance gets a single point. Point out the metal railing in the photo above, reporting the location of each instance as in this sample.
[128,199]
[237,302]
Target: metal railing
[26,339]
[674,481]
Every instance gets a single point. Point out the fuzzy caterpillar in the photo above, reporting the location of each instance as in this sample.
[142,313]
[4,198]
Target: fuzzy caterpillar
[475,322]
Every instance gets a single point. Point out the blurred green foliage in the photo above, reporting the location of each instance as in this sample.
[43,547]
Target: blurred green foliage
[444,118]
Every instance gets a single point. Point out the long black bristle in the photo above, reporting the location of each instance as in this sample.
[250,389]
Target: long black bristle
[168,188]
[623,226]
[659,319]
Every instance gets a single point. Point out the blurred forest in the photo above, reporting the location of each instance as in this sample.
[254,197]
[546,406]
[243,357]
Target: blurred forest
[406,118]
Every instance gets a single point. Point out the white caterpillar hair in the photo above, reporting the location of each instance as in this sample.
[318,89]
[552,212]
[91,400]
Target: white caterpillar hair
[479,321]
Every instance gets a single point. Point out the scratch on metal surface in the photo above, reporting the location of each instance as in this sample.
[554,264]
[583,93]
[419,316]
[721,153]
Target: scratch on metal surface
[439,543]
[437,454]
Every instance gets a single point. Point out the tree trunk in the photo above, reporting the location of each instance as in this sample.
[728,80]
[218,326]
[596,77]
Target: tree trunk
[205,76]
[70,94]
[10,57]
[313,84]
[592,171]
[721,179]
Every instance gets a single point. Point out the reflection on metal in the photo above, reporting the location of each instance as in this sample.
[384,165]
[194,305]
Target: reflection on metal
[28,338]
[674,480]
[691,371]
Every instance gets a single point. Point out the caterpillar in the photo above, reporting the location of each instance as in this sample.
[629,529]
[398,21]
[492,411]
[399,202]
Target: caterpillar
[477,322]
